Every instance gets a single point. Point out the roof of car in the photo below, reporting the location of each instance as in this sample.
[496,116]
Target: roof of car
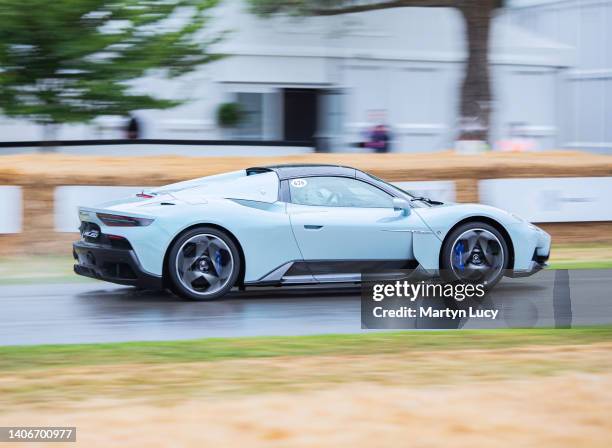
[304,170]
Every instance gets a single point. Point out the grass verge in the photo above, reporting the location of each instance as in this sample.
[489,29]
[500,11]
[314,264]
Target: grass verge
[166,373]
[38,269]
[581,256]
[37,357]
[601,264]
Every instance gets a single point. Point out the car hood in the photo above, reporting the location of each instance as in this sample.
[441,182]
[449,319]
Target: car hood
[440,216]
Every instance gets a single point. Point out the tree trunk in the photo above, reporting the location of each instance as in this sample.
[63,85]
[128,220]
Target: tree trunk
[475,108]
[49,142]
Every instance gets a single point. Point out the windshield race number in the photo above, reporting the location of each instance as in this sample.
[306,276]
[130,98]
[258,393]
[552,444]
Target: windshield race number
[298,183]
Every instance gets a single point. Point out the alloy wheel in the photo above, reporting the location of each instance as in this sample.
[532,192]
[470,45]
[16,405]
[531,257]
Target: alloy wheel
[477,256]
[204,264]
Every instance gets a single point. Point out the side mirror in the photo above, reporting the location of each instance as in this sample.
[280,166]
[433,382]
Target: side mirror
[401,204]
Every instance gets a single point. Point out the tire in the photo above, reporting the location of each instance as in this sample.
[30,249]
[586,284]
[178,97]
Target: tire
[475,252]
[203,264]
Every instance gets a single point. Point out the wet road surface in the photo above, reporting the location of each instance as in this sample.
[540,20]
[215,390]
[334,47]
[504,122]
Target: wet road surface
[101,312]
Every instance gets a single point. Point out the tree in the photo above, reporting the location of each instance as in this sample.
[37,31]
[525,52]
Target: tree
[475,103]
[229,115]
[68,61]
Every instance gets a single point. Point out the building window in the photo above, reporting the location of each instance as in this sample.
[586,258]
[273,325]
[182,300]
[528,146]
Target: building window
[251,125]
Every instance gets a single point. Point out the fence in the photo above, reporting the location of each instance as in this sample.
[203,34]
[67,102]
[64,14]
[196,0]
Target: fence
[40,192]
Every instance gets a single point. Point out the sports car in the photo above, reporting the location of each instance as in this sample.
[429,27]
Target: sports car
[296,224]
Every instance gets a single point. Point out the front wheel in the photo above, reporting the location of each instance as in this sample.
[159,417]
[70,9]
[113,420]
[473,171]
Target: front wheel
[475,252]
[203,264]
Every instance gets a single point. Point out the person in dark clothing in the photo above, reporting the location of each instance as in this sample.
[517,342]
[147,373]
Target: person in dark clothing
[378,139]
[133,129]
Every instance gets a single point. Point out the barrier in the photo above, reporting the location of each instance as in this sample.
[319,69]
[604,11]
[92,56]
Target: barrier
[439,190]
[67,200]
[159,147]
[11,209]
[566,199]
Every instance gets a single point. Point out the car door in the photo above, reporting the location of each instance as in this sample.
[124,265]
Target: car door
[344,225]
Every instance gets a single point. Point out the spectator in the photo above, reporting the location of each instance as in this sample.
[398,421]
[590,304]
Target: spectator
[133,129]
[378,138]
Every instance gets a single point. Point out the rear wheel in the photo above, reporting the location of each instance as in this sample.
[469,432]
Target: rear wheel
[475,252]
[203,264]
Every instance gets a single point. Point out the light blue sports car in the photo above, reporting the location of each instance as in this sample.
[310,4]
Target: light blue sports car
[296,224]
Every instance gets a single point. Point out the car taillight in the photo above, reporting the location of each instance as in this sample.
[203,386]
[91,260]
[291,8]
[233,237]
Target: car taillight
[123,221]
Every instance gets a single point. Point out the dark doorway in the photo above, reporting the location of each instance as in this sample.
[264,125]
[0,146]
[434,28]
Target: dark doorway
[301,114]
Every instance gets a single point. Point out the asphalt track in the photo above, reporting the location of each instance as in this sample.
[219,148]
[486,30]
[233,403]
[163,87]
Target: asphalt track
[101,312]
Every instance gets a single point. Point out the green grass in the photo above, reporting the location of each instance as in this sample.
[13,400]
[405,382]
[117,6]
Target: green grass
[50,356]
[602,264]
[38,269]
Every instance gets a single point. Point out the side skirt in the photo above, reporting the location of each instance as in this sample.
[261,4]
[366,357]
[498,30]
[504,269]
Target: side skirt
[301,272]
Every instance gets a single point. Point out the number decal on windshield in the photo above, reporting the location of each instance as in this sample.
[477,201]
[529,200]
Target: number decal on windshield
[299,183]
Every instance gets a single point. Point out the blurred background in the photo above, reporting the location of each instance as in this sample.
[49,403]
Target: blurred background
[517,75]
[507,103]
[520,83]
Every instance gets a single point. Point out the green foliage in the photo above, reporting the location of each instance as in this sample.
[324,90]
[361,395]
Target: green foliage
[65,61]
[229,114]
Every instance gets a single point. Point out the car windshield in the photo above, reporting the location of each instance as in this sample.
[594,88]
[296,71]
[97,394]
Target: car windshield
[393,187]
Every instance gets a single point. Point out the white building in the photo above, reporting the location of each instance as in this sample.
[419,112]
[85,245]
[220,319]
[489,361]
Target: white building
[301,79]
[584,101]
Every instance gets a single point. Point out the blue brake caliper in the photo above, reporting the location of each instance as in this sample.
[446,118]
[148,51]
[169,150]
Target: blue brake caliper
[218,261]
[459,255]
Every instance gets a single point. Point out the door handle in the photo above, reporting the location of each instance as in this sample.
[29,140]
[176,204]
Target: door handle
[312,227]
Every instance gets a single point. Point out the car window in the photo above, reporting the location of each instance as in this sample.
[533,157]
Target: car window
[337,192]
